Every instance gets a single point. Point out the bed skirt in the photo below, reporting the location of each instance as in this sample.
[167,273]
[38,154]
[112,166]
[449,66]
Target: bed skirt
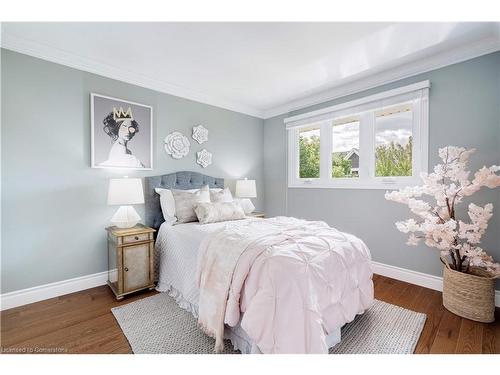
[236,335]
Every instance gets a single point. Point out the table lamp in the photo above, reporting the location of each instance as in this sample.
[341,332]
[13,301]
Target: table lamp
[246,189]
[125,192]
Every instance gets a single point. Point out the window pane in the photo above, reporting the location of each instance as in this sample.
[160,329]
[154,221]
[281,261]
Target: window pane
[309,155]
[393,141]
[345,148]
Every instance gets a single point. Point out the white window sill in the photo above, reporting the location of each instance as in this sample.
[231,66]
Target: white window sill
[356,185]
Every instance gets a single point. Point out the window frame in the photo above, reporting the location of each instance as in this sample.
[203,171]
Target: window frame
[416,94]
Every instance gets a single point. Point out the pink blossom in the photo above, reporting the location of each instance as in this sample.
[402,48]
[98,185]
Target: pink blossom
[413,240]
[447,186]
[407,226]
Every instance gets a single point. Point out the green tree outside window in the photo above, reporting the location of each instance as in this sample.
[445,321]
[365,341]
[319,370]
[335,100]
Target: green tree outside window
[393,159]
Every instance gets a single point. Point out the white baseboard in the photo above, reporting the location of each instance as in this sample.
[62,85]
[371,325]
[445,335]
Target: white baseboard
[42,292]
[59,288]
[417,278]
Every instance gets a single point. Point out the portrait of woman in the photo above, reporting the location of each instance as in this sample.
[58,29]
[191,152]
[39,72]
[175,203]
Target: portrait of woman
[121,133]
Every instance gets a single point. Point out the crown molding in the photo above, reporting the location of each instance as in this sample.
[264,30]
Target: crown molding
[391,74]
[383,75]
[45,52]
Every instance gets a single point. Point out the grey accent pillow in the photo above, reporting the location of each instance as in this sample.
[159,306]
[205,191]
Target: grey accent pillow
[219,211]
[221,195]
[185,202]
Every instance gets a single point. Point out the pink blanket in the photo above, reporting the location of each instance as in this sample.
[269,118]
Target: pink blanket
[290,281]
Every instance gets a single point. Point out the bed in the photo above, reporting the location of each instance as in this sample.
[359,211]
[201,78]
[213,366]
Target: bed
[177,261]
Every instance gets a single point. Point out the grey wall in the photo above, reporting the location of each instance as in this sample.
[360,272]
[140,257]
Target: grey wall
[53,204]
[464,111]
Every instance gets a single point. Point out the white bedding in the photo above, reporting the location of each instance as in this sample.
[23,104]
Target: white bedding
[176,261]
[176,257]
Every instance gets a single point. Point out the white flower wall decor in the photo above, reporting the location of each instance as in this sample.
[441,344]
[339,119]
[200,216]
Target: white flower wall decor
[435,206]
[177,145]
[204,158]
[200,134]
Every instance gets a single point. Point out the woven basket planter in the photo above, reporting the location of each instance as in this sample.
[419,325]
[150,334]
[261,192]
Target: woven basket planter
[469,295]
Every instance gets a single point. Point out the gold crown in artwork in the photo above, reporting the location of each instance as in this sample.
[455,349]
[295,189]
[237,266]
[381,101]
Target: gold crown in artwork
[121,115]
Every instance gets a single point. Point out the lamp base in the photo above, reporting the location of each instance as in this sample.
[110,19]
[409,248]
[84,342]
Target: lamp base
[247,205]
[125,217]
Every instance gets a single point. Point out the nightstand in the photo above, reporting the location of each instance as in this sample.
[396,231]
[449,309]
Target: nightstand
[130,259]
[262,215]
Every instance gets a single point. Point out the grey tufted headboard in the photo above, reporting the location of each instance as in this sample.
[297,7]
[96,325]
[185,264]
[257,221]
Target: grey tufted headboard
[178,180]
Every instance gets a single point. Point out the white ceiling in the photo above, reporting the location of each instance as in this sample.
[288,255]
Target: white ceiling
[262,69]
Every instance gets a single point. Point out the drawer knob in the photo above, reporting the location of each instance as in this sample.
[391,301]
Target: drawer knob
[126,269]
[136,238]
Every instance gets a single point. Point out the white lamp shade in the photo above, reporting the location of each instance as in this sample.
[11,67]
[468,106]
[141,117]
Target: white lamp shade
[125,191]
[246,189]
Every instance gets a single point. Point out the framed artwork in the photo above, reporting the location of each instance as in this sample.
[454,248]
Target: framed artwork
[121,133]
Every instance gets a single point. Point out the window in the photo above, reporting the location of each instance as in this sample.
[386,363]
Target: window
[374,142]
[309,147]
[393,141]
[345,148]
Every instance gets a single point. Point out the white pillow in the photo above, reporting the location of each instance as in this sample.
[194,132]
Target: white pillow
[167,204]
[219,211]
[185,201]
[221,195]
[246,204]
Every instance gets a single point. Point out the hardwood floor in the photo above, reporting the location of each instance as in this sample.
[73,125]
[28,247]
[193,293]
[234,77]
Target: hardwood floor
[82,323]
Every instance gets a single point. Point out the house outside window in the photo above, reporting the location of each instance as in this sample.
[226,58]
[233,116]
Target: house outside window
[343,158]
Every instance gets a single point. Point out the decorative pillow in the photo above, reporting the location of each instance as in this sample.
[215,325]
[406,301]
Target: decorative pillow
[219,211]
[167,204]
[221,195]
[246,204]
[185,201]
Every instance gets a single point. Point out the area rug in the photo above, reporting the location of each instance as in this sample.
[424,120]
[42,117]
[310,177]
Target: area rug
[157,325]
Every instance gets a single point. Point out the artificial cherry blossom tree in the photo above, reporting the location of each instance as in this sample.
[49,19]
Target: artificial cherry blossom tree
[437,224]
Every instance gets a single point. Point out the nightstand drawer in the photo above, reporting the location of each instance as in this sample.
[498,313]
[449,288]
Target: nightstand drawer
[135,238]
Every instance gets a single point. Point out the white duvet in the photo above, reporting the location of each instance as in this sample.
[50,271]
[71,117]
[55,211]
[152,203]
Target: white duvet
[291,282]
